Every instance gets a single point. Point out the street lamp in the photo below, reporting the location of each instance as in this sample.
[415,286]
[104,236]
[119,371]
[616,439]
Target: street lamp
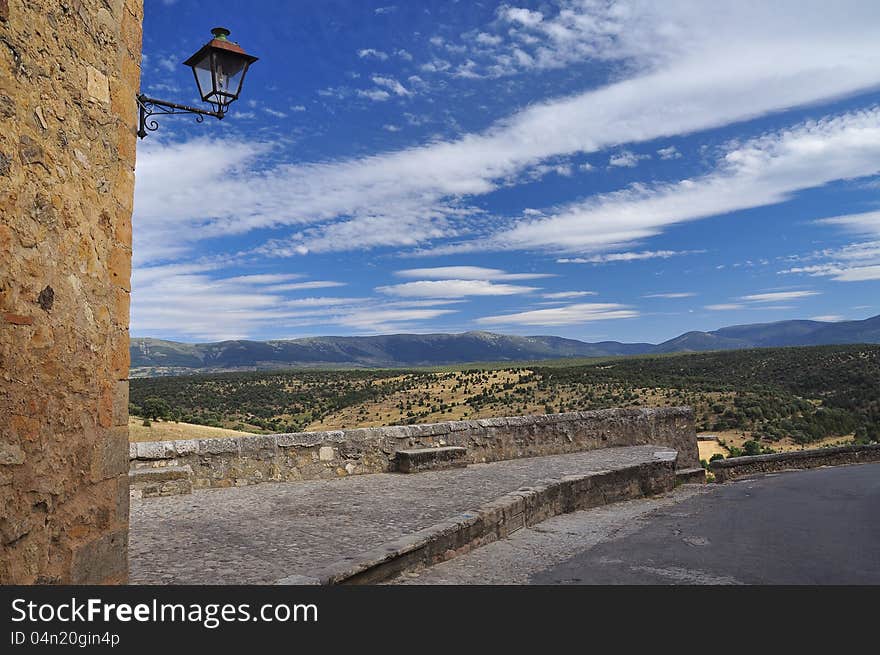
[219,68]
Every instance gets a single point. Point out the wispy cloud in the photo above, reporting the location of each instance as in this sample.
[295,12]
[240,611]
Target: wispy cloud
[300,286]
[626,256]
[372,53]
[763,171]
[391,84]
[724,307]
[672,295]
[377,95]
[468,273]
[568,315]
[670,152]
[626,159]
[692,83]
[452,289]
[779,296]
[560,295]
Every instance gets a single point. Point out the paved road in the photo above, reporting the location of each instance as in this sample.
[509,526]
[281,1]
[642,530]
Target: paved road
[808,527]
[260,533]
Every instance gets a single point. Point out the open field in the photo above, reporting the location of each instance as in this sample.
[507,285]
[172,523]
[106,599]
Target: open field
[170,431]
[784,398]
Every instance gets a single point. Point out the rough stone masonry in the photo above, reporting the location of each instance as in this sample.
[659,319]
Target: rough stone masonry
[69,71]
[326,455]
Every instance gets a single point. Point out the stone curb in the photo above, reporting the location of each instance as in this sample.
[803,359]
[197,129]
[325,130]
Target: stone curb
[735,467]
[498,519]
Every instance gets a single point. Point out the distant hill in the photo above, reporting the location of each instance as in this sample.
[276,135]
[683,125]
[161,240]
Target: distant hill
[157,357]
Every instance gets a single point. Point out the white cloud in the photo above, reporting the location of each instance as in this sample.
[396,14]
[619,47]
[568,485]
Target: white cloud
[391,84]
[723,307]
[300,286]
[763,171]
[854,262]
[681,294]
[521,16]
[778,296]
[840,273]
[390,320]
[669,153]
[187,301]
[626,256]
[567,315]
[488,39]
[568,294]
[260,278]
[626,159]
[377,95]
[298,108]
[682,79]
[391,128]
[830,318]
[274,112]
[452,289]
[867,223]
[468,273]
[372,53]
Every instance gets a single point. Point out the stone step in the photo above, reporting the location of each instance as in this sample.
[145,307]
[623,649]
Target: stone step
[430,459]
[691,476]
[160,481]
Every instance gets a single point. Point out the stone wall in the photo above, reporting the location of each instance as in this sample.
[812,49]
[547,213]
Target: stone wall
[316,455]
[69,71]
[738,467]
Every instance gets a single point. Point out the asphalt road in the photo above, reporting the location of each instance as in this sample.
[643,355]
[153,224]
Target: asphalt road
[820,526]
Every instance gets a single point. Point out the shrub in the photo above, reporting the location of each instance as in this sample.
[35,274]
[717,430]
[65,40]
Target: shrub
[752,447]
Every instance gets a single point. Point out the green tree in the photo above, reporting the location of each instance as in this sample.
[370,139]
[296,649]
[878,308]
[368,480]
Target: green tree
[156,408]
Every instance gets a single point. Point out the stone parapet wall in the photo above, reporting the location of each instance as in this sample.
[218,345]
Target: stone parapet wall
[317,455]
[499,519]
[737,467]
[69,72]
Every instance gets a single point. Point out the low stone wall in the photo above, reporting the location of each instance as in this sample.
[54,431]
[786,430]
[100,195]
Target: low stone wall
[498,519]
[737,467]
[315,455]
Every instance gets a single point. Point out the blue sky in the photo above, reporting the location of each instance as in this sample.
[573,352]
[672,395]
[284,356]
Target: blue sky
[590,169]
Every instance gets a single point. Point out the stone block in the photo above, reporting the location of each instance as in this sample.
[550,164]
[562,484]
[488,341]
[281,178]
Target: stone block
[112,453]
[102,560]
[119,267]
[218,446]
[155,450]
[263,444]
[426,459]
[186,446]
[97,85]
[120,402]
[11,454]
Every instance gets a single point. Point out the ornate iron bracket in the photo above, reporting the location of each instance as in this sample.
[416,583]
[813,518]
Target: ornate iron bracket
[151,106]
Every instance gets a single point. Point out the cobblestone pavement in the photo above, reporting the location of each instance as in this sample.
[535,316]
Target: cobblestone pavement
[533,550]
[260,533]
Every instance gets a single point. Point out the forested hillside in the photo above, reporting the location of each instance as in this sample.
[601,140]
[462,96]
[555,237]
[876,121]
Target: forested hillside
[801,394]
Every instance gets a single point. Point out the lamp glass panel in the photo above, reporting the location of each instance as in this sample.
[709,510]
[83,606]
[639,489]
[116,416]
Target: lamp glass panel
[202,69]
[229,69]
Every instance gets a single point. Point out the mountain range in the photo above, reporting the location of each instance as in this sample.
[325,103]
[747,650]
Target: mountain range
[158,357]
